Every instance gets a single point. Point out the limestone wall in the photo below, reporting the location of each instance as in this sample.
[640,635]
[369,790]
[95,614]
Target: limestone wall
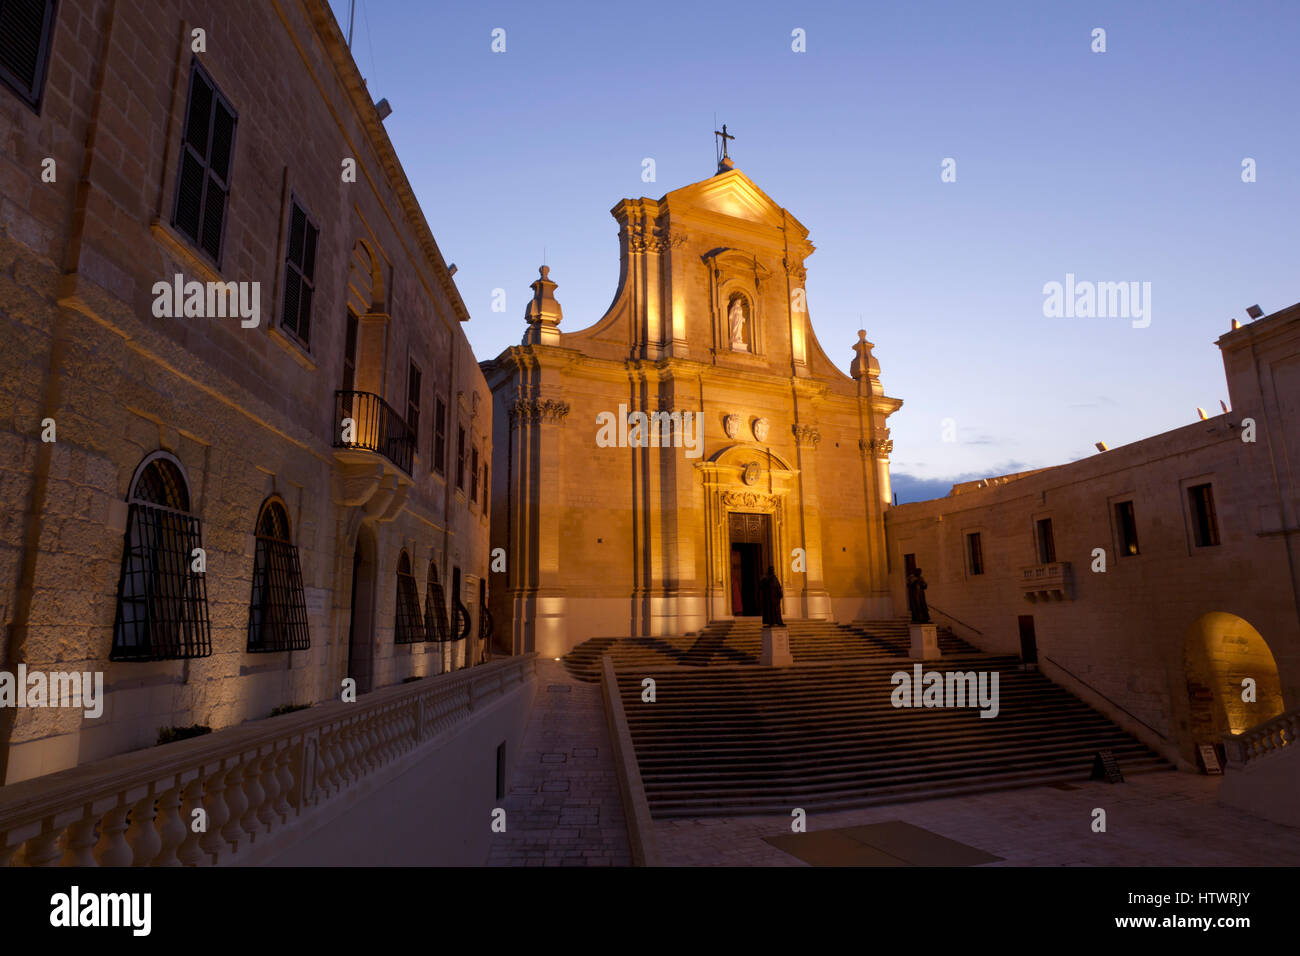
[246,412]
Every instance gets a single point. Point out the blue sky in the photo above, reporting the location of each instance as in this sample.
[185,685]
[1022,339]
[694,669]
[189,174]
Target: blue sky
[1123,166]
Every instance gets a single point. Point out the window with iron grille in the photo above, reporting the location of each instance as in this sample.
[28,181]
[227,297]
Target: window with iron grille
[460,458]
[162,601]
[277,612]
[440,437]
[26,32]
[299,274]
[203,183]
[436,627]
[413,403]
[409,626]
[473,473]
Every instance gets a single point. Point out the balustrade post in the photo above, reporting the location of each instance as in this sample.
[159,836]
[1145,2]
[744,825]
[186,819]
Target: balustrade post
[43,849]
[171,829]
[285,777]
[270,783]
[237,803]
[213,842]
[255,794]
[190,852]
[142,835]
[79,840]
[112,849]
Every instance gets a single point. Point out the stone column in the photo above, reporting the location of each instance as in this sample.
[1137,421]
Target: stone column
[540,611]
[815,600]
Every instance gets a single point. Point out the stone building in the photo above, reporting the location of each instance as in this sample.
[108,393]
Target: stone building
[650,467]
[1150,579]
[224,498]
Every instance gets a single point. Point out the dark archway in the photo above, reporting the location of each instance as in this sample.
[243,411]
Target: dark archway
[361,627]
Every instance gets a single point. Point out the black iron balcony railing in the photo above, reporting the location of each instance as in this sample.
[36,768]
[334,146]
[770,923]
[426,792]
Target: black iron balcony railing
[364,420]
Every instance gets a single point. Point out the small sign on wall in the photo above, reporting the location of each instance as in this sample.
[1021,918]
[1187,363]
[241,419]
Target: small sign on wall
[317,600]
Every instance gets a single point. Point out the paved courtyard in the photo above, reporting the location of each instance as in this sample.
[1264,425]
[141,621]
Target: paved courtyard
[1158,819]
[563,807]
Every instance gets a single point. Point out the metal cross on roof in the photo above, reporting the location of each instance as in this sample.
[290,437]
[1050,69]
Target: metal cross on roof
[725,136]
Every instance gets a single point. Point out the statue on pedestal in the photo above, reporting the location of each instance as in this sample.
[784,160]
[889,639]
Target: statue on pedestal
[916,603]
[770,594]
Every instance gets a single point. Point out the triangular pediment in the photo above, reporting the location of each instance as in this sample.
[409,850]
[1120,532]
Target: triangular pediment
[730,193]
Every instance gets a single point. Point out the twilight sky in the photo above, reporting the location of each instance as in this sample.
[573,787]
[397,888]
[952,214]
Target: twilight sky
[1122,166]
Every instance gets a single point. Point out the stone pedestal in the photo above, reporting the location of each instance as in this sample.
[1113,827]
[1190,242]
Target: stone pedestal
[925,641]
[776,647]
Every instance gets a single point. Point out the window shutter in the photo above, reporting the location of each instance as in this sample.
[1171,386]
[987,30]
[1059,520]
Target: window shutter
[25,31]
[203,184]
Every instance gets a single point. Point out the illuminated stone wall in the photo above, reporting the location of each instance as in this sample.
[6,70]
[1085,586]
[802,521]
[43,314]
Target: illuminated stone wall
[246,412]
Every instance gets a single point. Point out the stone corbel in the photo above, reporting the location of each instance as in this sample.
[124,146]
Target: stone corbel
[806,435]
[531,411]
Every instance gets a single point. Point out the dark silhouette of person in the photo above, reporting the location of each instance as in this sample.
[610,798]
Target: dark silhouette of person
[916,603]
[770,594]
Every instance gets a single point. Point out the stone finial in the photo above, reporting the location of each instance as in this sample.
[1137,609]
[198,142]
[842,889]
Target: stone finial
[865,367]
[543,313]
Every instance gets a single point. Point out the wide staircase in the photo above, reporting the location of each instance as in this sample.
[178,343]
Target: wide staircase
[733,738]
[739,641]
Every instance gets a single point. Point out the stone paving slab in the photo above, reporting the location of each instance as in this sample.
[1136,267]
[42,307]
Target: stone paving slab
[563,807]
[1158,819]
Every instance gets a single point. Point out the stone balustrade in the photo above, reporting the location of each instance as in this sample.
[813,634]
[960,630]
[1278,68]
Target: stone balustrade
[1263,739]
[1046,582]
[250,782]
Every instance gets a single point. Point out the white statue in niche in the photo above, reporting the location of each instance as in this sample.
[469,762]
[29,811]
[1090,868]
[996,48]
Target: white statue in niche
[738,320]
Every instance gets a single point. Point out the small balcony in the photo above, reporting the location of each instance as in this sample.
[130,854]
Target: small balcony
[1046,582]
[375,426]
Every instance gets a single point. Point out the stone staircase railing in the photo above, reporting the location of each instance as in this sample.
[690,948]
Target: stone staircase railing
[1263,739]
[250,782]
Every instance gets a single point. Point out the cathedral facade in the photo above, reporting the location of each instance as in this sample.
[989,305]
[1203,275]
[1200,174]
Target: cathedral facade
[651,467]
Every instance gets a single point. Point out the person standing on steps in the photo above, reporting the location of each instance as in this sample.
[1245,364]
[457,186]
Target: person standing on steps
[770,594]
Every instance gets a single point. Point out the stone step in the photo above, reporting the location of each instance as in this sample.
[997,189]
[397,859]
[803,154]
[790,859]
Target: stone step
[728,738]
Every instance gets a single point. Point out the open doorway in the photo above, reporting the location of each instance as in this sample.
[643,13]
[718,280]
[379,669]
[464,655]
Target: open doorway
[751,549]
[361,625]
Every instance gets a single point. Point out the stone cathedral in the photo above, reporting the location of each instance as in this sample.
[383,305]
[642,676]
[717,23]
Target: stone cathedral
[736,445]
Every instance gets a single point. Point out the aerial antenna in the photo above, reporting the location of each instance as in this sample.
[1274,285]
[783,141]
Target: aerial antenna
[352,18]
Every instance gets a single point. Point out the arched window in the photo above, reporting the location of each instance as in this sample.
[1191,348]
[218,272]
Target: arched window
[162,599]
[409,626]
[277,612]
[435,608]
